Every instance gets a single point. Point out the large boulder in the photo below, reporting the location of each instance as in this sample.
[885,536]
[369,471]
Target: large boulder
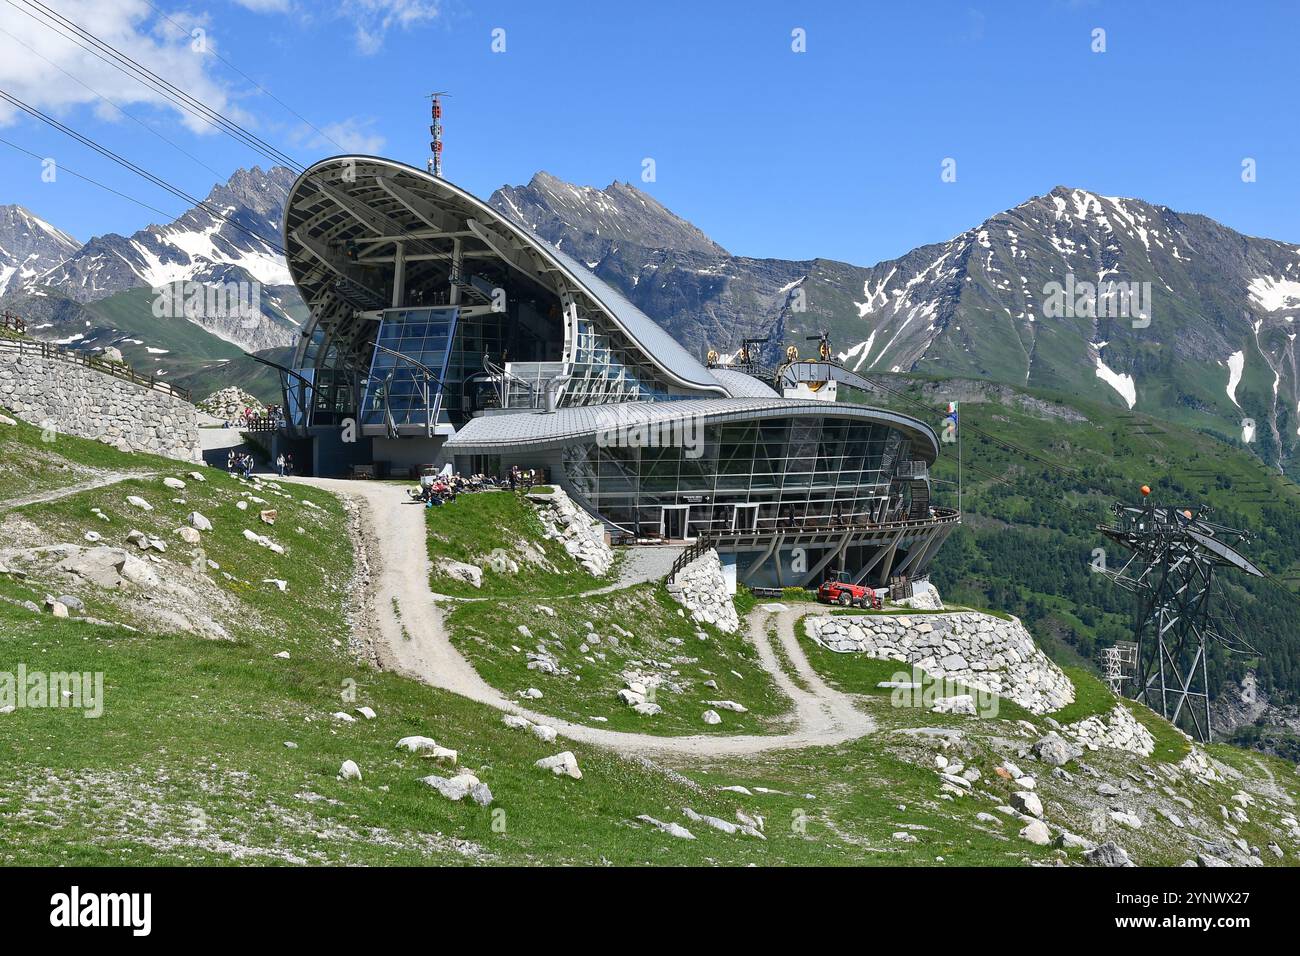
[471,574]
[1108,854]
[1054,751]
[562,765]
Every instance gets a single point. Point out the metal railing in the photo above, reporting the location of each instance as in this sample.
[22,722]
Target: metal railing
[702,543]
[45,350]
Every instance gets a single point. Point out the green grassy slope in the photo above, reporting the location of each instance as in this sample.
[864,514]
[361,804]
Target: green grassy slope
[189,763]
[1018,507]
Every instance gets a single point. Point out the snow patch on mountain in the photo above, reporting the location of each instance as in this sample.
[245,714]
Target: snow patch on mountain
[1271,294]
[1236,363]
[1122,383]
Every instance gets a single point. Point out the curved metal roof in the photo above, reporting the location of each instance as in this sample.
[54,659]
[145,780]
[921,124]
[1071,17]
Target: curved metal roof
[489,433]
[374,201]
[743,385]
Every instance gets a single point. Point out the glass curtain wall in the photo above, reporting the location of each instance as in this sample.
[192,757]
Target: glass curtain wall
[755,475]
[399,393]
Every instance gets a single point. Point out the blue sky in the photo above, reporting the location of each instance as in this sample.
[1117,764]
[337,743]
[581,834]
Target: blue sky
[833,152]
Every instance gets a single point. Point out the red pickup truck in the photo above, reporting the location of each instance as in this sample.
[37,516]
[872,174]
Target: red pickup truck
[847,594]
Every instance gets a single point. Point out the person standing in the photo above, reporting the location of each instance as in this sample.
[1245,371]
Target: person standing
[279,464]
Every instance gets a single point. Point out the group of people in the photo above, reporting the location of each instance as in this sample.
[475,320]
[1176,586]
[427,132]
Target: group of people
[251,418]
[523,479]
[239,464]
[442,489]
[284,463]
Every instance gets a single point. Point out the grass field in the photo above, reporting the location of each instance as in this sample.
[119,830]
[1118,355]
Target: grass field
[189,763]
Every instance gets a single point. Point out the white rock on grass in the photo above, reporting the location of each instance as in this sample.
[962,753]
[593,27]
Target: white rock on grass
[464,784]
[349,771]
[471,574]
[672,829]
[188,535]
[135,501]
[366,712]
[563,764]
[283,655]
[1126,819]
[199,522]
[1035,831]
[711,717]
[515,722]
[543,733]
[174,483]
[340,715]
[730,705]
[1027,802]
[416,743]
[959,704]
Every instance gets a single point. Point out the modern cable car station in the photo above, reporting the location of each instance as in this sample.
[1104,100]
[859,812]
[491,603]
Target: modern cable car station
[444,333]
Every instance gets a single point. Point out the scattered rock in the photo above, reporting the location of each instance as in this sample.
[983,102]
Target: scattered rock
[1036,832]
[349,771]
[711,717]
[562,765]
[728,705]
[1054,751]
[672,829]
[1108,854]
[1026,801]
[543,733]
[188,535]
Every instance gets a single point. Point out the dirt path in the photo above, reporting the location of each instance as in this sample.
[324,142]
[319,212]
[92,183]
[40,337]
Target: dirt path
[409,637]
[54,494]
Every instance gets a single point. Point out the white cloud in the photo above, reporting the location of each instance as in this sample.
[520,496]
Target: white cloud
[53,74]
[265,6]
[374,18]
[350,135]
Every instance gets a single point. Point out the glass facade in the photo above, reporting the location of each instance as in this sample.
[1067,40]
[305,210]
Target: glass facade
[755,475]
[607,367]
[399,392]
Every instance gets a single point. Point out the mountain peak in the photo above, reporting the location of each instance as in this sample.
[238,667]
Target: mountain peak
[619,213]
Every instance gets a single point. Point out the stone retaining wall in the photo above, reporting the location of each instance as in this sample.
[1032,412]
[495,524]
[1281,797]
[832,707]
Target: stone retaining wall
[701,588]
[581,534]
[982,652]
[76,400]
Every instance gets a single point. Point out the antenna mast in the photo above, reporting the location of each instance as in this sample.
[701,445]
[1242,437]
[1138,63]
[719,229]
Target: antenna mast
[434,164]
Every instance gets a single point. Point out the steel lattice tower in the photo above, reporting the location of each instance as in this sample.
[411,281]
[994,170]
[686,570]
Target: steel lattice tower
[1171,573]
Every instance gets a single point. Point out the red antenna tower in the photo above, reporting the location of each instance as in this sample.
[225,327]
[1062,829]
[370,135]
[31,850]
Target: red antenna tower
[435,131]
